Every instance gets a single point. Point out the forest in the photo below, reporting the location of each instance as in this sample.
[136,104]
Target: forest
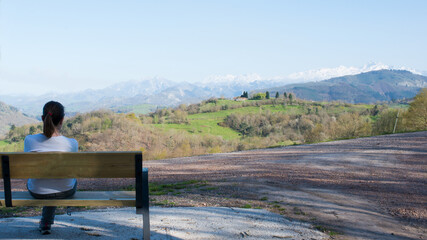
[221,125]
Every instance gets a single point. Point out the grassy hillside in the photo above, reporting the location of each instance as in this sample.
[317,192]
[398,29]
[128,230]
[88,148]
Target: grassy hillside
[3,143]
[11,116]
[137,109]
[208,123]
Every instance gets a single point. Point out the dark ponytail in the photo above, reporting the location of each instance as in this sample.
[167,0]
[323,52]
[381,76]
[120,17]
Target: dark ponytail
[53,113]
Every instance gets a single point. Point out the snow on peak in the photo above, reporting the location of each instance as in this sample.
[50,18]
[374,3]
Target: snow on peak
[244,78]
[326,73]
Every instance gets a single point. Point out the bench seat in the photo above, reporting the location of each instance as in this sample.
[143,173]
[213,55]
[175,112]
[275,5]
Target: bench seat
[80,198]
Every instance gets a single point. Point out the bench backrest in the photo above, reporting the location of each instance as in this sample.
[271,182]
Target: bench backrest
[73,165]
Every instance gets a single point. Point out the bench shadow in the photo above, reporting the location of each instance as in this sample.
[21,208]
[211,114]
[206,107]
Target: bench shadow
[76,227]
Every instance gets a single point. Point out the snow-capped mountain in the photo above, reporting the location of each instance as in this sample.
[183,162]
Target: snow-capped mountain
[326,73]
[367,87]
[163,92]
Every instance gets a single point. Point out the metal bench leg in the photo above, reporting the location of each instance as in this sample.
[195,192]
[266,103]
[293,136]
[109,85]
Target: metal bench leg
[145,205]
[146,225]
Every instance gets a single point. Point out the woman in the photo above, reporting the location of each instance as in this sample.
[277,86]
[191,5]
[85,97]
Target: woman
[51,140]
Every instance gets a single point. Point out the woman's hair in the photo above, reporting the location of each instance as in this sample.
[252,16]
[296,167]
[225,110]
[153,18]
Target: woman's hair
[53,113]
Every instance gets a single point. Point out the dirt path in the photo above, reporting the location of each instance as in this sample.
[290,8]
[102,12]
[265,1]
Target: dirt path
[369,188]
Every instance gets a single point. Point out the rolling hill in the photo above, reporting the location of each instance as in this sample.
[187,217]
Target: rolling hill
[11,116]
[369,87]
[135,96]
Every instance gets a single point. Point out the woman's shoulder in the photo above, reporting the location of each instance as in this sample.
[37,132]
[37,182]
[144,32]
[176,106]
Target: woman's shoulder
[73,143]
[35,137]
[69,139]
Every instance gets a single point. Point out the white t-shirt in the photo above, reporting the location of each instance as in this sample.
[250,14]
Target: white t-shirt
[40,143]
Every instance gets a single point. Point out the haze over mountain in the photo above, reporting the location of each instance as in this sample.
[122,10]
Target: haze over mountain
[162,92]
[11,116]
[157,92]
[369,87]
[310,75]
[327,73]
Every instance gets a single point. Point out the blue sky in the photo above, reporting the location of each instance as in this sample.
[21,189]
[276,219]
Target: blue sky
[73,45]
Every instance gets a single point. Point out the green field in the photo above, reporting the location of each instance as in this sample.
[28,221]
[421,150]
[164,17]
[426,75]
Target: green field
[3,143]
[399,106]
[13,147]
[207,123]
[137,109]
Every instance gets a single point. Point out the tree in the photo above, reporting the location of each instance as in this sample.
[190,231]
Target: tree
[385,122]
[267,95]
[285,95]
[417,112]
[375,110]
[33,130]
[258,96]
[290,98]
[277,95]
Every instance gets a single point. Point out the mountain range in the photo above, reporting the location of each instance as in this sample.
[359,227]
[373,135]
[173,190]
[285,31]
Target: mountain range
[157,92]
[369,87]
[365,87]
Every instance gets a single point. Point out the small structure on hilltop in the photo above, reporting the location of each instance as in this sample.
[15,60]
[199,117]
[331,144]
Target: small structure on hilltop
[240,99]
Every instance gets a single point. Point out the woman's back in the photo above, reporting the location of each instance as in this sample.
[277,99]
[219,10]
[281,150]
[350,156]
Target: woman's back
[40,143]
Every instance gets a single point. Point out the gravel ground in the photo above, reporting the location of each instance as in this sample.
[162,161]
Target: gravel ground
[367,188]
[167,223]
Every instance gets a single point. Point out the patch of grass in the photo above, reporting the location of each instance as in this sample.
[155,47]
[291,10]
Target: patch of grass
[138,109]
[19,211]
[12,210]
[298,211]
[328,231]
[165,203]
[3,143]
[5,146]
[209,189]
[129,188]
[157,189]
[247,206]
[264,199]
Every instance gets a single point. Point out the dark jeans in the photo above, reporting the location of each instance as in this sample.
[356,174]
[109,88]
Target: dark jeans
[48,214]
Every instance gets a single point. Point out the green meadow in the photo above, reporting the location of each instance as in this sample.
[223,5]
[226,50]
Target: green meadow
[3,143]
[137,109]
[208,122]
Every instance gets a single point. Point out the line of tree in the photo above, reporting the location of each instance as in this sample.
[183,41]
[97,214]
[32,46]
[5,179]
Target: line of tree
[245,95]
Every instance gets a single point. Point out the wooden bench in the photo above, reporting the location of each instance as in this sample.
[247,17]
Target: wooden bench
[78,165]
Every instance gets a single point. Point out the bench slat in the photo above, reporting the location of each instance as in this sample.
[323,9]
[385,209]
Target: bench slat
[80,198]
[72,165]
